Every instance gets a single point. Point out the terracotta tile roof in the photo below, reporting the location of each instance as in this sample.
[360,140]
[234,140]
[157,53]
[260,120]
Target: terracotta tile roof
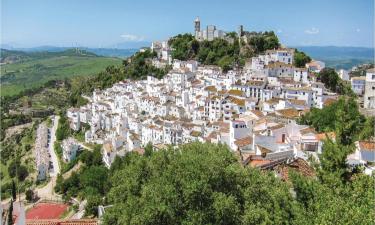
[235,92]
[299,165]
[244,141]
[288,113]
[308,130]
[278,65]
[254,83]
[258,113]
[329,101]
[297,102]
[258,162]
[210,88]
[273,101]
[278,126]
[237,101]
[222,92]
[195,133]
[367,145]
[323,136]
[212,135]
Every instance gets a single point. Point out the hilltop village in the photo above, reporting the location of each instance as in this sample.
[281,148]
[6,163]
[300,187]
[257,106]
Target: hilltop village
[241,99]
[253,110]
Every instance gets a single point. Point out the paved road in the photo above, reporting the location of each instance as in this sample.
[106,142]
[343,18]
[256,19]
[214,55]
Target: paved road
[54,158]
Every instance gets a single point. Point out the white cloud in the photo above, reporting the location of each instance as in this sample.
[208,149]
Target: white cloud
[313,30]
[132,37]
[279,31]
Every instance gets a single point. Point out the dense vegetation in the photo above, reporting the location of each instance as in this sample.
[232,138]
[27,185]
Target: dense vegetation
[34,69]
[224,52]
[17,161]
[89,182]
[343,118]
[333,82]
[300,59]
[205,184]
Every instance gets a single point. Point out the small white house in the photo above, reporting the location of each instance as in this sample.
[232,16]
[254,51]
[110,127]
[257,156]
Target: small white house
[70,148]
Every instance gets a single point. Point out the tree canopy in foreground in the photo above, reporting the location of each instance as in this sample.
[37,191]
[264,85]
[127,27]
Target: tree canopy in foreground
[205,184]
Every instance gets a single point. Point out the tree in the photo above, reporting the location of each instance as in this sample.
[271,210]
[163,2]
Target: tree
[367,130]
[29,195]
[300,59]
[91,208]
[348,121]
[195,184]
[10,213]
[342,117]
[94,177]
[329,78]
[149,149]
[333,162]
[14,190]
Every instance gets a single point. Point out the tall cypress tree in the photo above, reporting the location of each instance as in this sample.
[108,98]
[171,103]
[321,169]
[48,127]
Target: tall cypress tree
[14,190]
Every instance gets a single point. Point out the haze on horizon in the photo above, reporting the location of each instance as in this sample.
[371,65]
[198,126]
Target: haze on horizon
[107,23]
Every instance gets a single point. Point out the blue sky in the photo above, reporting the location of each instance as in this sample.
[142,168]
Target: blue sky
[99,23]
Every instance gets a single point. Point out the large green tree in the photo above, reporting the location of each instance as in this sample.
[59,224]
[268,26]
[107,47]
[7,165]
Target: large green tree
[300,59]
[196,184]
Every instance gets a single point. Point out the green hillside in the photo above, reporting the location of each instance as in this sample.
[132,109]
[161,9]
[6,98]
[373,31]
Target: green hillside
[26,70]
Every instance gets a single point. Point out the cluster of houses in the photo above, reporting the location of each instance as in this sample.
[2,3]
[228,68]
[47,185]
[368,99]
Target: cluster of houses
[253,111]
[42,155]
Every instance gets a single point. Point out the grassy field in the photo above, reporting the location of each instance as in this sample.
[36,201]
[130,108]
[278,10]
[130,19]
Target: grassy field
[35,71]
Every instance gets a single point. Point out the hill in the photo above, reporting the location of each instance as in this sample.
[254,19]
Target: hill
[32,69]
[109,52]
[340,57]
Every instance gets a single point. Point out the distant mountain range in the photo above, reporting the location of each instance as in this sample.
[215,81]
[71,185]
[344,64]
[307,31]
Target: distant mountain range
[108,52]
[340,57]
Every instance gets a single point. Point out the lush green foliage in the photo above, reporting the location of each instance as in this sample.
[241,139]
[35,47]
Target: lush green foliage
[185,46]
[222,52]
[29,195]
[300,59]
[16,169]
[63,129]
[90,181]
[197,184]
[205,184]
[261,42]
[332,81]
[342,117]
[16,161]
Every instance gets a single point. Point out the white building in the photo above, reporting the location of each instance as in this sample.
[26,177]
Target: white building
[70,148]
[315,66]
[358,85]
[344,75]
[369,96]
